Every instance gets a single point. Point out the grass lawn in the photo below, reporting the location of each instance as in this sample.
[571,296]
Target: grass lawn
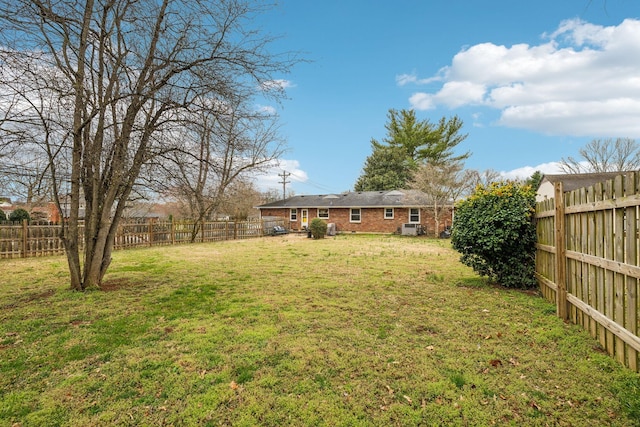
[347,331]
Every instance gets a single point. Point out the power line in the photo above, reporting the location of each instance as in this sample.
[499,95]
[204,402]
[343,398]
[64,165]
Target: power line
[307,181]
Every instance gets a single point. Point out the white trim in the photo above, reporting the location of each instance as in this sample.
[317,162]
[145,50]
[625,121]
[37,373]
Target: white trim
[351,215]
[322,217]
[410,215]
[393,213]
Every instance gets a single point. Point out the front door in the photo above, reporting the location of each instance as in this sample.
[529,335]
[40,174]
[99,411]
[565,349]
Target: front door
[305,218]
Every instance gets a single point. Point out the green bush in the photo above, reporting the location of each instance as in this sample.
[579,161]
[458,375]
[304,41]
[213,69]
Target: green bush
[18,215]
[3,216]
[494,232]
[318,228]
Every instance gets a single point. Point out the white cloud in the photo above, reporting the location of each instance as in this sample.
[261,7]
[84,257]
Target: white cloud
[526,171]
[583,80]
[612,117]
[476,120]
[267,109]
[422,101]
[459,93]
[278,84]
[405,79]
[271,179]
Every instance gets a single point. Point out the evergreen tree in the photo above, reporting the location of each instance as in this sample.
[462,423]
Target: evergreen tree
[387,168]
[423,141]
[19,215]
[410,143]
[534,180]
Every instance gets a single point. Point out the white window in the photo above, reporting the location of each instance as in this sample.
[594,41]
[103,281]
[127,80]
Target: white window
[293,215]
[323,213]
[388,213]
[414,215]
[355,215]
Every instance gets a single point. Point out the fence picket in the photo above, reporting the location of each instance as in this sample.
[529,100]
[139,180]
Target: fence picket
[619,278]
[593,270]
[609,286]
[28,240]
[597,241]
[631,258]
[600,275]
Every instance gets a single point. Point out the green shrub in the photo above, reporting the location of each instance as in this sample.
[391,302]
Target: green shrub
[18,215]
[3,216]
[494,232]
[318,228]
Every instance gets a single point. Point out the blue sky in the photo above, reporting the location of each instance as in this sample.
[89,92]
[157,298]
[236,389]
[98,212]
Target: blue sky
[533,81]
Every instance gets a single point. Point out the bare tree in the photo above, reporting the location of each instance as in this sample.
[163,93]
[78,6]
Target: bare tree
[473,178]
[116,76]
[442,183]
[240,200]
[27,179]
[220,146]
[272,195]
[605,155]
[27,124]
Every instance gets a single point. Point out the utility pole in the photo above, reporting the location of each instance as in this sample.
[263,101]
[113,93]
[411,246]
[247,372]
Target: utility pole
[284,175]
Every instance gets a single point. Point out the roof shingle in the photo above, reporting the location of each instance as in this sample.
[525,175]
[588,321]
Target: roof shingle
[359,199]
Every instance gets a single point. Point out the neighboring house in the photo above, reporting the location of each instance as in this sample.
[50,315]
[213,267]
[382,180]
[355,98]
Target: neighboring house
[40,212]
[6,206]
[365,211]
[570,182]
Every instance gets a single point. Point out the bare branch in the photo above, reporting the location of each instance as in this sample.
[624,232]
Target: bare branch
[605,155]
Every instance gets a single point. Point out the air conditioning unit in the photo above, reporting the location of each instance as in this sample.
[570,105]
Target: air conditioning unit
[409,229]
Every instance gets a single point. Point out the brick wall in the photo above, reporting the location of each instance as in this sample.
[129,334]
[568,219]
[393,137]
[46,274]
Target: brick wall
[371,219]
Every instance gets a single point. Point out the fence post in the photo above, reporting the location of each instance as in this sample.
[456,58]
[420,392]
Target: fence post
[150,221]
[25,230]
[173,232]
[561,253]
[235,230]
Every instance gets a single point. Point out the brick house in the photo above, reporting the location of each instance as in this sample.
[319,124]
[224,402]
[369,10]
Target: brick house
[363,211]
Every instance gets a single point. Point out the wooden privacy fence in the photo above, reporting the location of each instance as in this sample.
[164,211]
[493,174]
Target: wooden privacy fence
[588,261]
[26,240]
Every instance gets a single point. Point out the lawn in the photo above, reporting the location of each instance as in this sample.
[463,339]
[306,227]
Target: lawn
[348,331]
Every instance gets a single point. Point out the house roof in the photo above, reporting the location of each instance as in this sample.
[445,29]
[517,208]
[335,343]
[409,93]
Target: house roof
[359,199]
[572,182]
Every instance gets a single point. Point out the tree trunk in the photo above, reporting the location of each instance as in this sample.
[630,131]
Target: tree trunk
[95,260]
[436,219]
[73,260]
[79,128]
[195,230]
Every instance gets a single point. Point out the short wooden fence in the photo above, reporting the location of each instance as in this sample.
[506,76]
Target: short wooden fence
[588,261]
[28,240]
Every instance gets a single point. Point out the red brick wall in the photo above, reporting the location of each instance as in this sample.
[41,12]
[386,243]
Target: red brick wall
[371,219]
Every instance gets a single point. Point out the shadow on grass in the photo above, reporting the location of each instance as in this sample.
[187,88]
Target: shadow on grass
[473,282]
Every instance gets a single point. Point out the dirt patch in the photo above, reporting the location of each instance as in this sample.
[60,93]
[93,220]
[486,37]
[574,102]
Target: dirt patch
[27,298]
[113,285]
